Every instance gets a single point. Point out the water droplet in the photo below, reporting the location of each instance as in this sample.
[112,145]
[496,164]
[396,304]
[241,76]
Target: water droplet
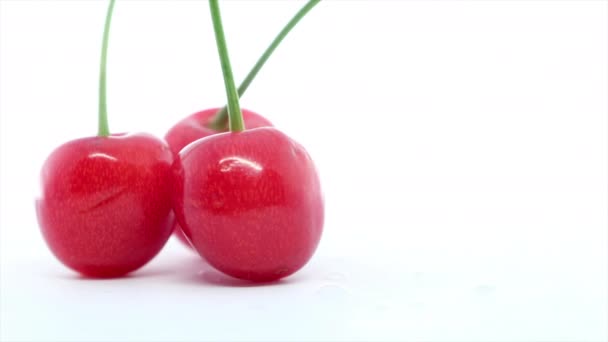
[257,307]
[332,292]
[485,289]
[335,276]
[382,306]
[416,305]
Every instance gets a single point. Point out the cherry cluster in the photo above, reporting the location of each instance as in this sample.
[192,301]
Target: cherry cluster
[240,192]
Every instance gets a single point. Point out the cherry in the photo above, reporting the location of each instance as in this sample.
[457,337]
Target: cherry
[249,200]
[197,126]
[212,121]
[105,207]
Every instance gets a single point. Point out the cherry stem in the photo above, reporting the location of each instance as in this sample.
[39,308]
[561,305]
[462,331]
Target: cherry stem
[103,127]
[235,117]
[219,120]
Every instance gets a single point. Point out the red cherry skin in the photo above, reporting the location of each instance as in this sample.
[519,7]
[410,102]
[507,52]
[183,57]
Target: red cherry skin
[251,203]
[196,126]
[105,208]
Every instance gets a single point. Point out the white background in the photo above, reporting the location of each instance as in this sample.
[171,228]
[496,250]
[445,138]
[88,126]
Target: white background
[462,147]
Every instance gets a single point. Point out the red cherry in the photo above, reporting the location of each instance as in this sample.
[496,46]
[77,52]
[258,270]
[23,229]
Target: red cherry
[250,201]
[196,126]
[105,208]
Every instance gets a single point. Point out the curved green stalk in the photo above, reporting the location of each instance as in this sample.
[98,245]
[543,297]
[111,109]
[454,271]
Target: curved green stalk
[235,117]
[219,120]
[103,127]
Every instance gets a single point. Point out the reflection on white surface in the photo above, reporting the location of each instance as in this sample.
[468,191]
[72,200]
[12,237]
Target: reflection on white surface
[347,298]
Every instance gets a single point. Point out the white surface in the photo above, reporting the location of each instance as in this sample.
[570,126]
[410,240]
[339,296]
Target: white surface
[467,194]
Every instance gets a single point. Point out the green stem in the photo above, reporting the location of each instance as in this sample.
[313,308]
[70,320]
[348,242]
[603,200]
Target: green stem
[103,127]
[235,117]
[219,120]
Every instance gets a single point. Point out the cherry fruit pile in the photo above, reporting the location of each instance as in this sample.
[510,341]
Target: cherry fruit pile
[240,192]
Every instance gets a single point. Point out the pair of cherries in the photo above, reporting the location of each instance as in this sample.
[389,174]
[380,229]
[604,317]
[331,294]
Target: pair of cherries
[246,196]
